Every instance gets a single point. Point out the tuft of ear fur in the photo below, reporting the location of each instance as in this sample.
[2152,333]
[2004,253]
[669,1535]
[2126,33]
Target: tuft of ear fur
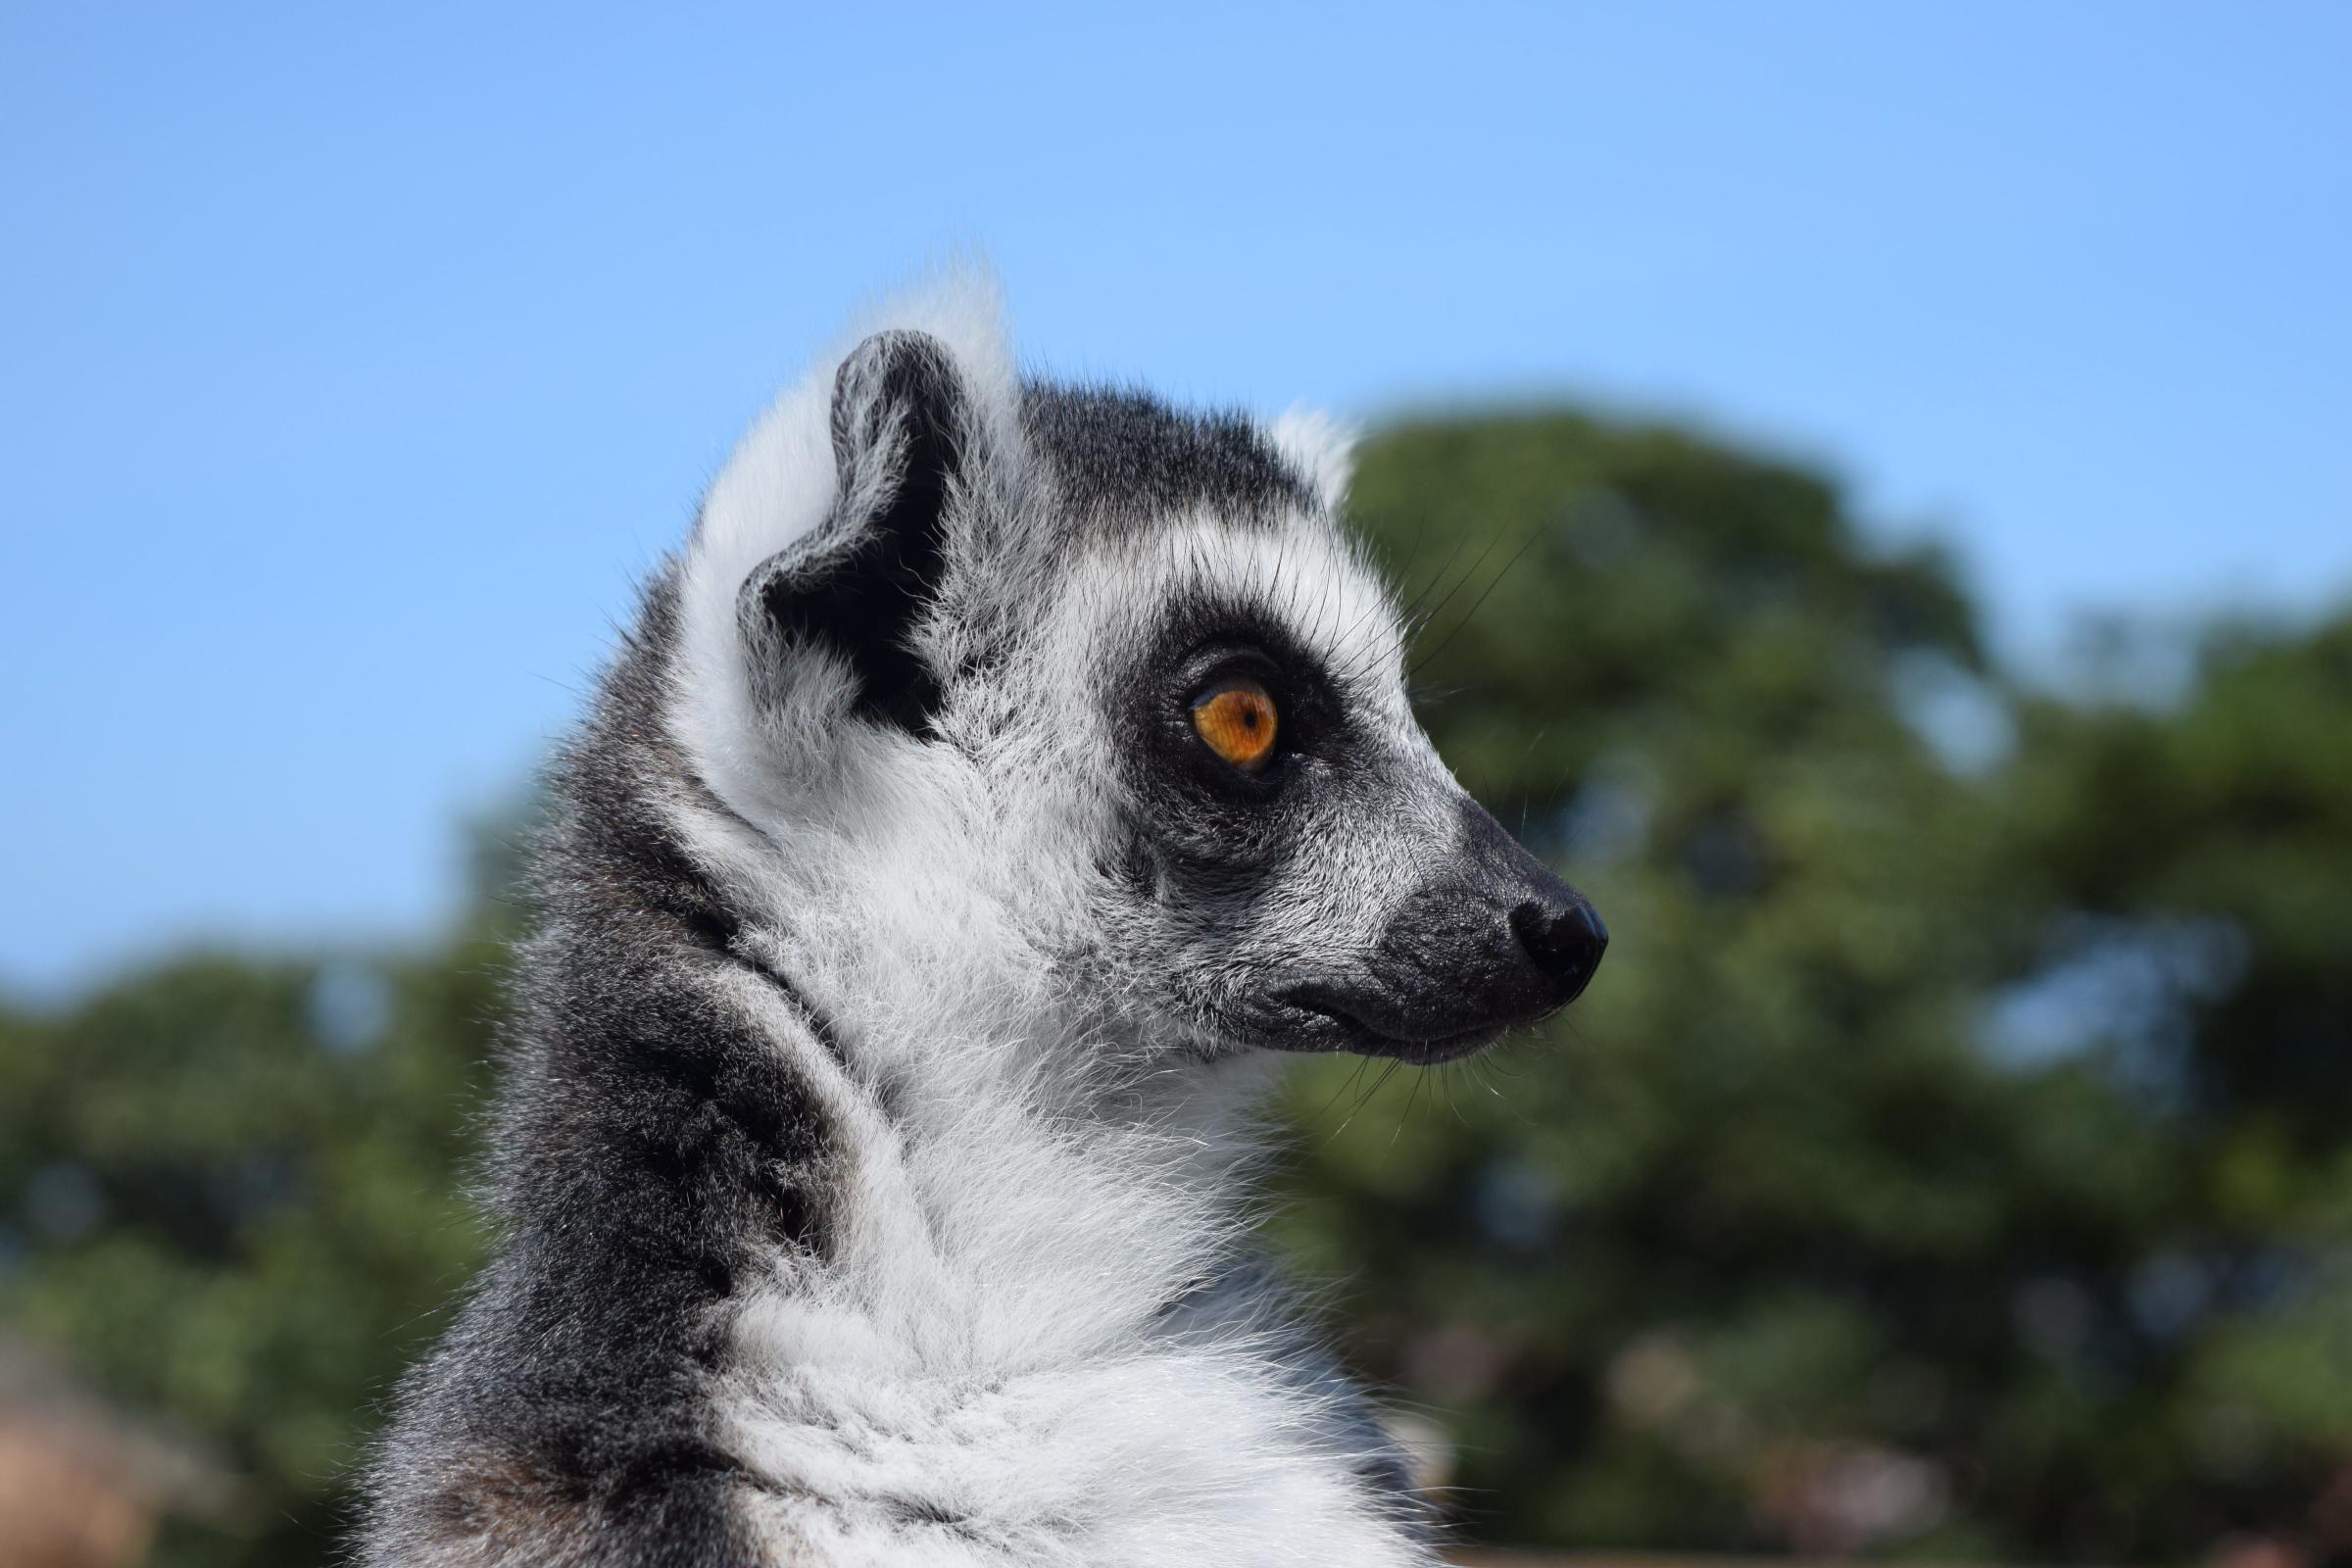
[901,427]
[756,699]
[1321,448]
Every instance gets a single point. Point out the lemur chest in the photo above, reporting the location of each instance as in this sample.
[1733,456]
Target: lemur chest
[1161,1452]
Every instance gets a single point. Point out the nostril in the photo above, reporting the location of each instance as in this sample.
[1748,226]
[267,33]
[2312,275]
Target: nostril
[1565,941]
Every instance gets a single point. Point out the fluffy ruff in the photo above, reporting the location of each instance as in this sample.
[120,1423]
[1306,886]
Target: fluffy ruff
[855,1208]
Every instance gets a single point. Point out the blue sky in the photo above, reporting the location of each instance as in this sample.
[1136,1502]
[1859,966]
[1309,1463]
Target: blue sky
[356,360]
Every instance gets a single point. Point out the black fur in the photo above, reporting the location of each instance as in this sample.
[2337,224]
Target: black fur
[652,1152]
[898,408]
[1125,458]
[649,1146]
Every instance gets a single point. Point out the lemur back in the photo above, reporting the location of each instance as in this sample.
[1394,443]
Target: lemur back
[1001,778]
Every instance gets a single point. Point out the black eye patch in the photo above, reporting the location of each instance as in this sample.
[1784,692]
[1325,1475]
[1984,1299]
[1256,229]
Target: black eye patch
[1231,786]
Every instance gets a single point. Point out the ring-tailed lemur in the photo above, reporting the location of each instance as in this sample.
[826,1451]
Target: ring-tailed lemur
[1001,775]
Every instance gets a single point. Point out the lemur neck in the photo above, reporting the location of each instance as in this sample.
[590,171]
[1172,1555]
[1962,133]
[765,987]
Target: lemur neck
[1014,1177]
[1017,1190]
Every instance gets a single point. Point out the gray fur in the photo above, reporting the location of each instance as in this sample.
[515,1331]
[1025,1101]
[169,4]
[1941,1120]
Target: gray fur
[871,1157]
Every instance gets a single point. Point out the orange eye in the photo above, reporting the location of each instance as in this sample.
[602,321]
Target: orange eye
[1237,719]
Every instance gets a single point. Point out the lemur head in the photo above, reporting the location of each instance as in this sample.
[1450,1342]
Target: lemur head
[1060,690]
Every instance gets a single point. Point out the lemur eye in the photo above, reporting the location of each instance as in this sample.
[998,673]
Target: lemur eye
[1236,717]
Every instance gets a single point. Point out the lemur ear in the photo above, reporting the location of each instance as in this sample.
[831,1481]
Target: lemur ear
[902,429]
[1321,448]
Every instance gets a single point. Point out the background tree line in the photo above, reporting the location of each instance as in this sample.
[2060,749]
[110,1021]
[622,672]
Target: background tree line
[1949,1160]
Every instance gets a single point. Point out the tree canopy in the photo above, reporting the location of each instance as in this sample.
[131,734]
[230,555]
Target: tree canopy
[1949,1159]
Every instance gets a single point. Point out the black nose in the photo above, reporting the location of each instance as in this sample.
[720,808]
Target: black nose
[1565,938]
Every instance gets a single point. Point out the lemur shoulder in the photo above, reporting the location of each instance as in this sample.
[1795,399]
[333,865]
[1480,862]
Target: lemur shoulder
[1001,778]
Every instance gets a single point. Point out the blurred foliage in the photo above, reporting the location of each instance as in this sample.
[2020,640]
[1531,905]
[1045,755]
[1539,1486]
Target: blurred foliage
[1948,1161]
[1950,1157]
[238,1205]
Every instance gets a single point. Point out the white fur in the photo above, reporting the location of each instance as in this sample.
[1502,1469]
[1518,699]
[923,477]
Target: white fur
[989,1339]
[778,486]
[1321,448]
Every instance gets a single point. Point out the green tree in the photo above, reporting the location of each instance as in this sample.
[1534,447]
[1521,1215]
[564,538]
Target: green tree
[2194,863]
[1853,1208]
[1948,1159]
[238,1206]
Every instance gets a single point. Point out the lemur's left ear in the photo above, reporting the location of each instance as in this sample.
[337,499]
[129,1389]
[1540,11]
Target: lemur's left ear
[901,430]
[1321,448]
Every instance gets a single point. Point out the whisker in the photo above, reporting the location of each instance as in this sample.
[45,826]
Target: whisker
[1361,1062]
[1471,613]
[1437,609]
